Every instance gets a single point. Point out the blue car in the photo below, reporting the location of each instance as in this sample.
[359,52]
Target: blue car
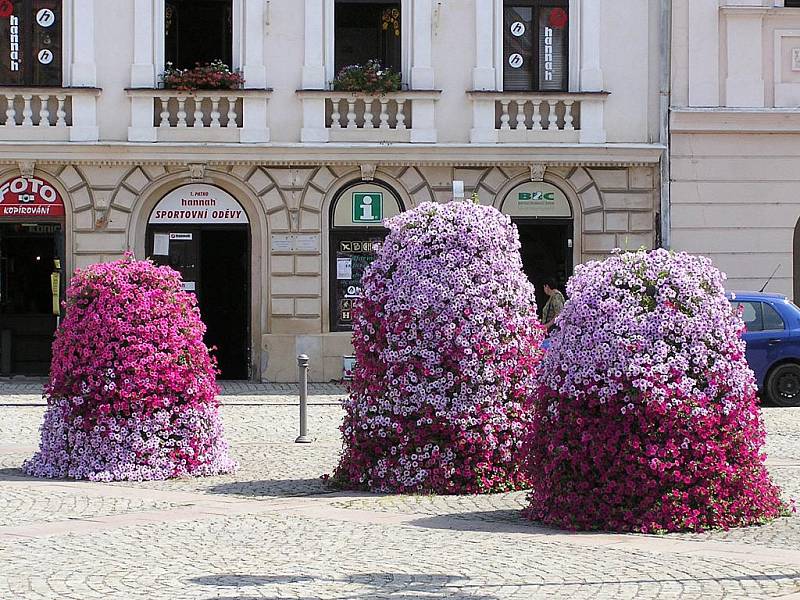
[773,344]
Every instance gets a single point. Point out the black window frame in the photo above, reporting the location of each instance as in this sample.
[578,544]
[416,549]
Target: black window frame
[32,39]
[534,83]
[337,234]
[172,23]
[339,64]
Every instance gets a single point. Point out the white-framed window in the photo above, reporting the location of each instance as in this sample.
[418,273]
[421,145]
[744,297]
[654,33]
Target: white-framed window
[537,45]
[359,30]
[187,32]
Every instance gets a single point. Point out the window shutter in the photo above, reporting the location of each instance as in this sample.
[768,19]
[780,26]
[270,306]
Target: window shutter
[518,47]
[30,42]
[553,49]
[12,44]
[46,43]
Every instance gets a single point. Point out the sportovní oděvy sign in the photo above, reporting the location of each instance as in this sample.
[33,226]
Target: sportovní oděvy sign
[28,197]
[198,203]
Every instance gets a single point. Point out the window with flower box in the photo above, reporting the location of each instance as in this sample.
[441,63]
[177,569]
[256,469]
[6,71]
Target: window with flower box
[198,31]
[31,43]
[536,45]
[367,30]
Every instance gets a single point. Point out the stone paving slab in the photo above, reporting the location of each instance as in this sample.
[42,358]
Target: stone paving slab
[273,530]
[283,556]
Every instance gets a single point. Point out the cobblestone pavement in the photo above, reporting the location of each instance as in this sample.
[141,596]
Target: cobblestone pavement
[273,530]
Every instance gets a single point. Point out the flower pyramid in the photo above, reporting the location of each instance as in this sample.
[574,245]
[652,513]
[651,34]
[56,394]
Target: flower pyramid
[132,387]
[446,342]
[647,415]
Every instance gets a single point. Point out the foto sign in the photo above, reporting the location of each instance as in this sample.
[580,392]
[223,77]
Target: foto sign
[367,207]
[27,197]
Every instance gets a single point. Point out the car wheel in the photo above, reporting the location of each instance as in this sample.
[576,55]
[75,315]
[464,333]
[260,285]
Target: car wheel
[783,385]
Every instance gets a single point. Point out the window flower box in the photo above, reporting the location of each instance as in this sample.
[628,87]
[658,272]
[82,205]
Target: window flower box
[215,75]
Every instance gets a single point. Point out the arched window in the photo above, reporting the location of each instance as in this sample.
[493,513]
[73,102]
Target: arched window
[357,216]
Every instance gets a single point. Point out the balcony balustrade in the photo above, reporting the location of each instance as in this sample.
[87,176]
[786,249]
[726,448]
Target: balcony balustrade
[535,117]
[358,117]
[200,116]
[48,114]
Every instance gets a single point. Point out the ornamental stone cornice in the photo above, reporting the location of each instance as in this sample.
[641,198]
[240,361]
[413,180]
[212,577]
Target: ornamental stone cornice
[309,155]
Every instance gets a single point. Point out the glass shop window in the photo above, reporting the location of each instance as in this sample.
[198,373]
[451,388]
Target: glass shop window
[536,45]
[367,30]
[198,31]
[30,43]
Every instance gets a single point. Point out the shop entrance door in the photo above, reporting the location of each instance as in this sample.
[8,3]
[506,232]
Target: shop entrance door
[214,262]
[546,252]
[28,255]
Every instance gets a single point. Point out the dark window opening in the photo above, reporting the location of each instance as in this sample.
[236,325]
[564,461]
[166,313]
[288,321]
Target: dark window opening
[198,31]
[536,45]
[792,4]
[30,43]
[366,31]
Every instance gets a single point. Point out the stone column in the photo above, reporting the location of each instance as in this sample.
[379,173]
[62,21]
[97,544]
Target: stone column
[422,75]
[143,70]
[83,70]
[704,53]
[744,86]
[591,70]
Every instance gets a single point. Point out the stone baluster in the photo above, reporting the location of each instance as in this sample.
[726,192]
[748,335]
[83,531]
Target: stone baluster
[44,111]
[61,113]
[384,117]
[552,117]
[536,123]
[351,114]
[27,111]
[11,112]
[521,114]
[215,114]
[401,115]
[198,112]
[181,112]
[164,111]
[505,117]
[368,117]
[336,116]
[568,118]
[232,116]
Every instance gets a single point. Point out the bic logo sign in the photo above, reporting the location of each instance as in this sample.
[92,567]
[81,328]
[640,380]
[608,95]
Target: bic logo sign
[546,197]
[367,207]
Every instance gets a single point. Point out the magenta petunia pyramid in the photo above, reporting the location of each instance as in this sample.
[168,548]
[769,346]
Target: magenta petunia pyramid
[648,417]
[132,391]
[446,342]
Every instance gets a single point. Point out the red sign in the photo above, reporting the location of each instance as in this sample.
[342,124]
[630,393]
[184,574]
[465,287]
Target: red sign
[6,9]
[30,197]
[558,18]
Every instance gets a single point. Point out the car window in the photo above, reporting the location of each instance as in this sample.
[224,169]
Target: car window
[771,319]
[752,315]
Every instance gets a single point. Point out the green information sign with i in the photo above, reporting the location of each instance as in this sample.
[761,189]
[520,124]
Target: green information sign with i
[367,207]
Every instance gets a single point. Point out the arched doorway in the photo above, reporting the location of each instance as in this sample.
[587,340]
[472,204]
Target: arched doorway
[357,215]
[203,232]
[31,262]
[543,215]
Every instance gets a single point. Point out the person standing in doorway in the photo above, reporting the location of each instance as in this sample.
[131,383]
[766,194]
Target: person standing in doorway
[554,304]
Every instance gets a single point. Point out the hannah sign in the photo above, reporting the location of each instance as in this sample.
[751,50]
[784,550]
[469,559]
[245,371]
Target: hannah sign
[198,203]
[26,197]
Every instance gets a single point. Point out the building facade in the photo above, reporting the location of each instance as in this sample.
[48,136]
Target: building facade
[269,199]
[735,157]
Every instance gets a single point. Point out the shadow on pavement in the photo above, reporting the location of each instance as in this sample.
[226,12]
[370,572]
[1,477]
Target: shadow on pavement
[401,586]
[272,487]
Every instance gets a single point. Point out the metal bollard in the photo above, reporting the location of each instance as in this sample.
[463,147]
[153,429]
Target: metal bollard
[302,364]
